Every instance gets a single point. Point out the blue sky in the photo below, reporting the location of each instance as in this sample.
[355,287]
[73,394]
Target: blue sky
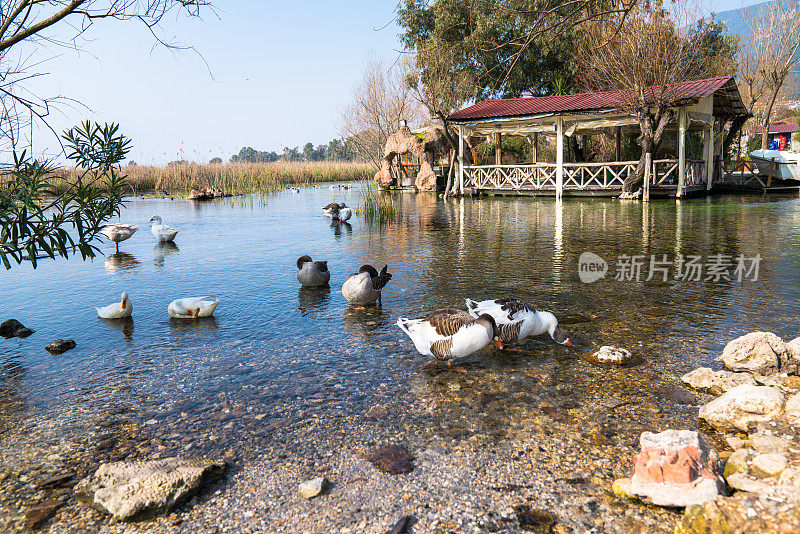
[271,75]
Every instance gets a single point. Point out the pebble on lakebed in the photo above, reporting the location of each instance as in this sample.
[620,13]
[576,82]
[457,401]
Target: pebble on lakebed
[392,459]
[608,355]
[314,487]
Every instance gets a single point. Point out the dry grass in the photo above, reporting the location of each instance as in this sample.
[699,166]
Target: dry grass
[241,178]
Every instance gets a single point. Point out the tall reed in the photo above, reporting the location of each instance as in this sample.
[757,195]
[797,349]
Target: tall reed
[375,205]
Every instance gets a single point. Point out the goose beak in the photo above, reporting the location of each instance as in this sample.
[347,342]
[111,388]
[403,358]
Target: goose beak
[197,313]
[569,343]
[498,343]
[123,304]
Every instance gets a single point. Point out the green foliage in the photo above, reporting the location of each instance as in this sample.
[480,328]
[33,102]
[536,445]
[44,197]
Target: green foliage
[753,143]
[39,220]
[376,205]
[715,49]
[250,155]
[314,154]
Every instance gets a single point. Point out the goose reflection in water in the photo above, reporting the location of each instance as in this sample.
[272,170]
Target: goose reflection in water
[365,320]
[120,261]
[189,324]
[123,325]
[313,298]
[162,250]
[340,227]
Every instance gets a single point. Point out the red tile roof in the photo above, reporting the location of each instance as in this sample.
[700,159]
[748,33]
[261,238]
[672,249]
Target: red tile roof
[785,128]
[518,107]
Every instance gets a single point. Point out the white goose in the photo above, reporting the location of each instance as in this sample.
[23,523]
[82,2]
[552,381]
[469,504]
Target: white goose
[118,310]
[192,307]
[162,232]
[448,333]
[332,210]
[344,212]
[516,320]
[118,232]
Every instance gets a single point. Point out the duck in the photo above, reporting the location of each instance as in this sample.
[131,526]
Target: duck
[449,334]
[117,310]
[192,307]
[118,232]
[312,273]
[517,320]
[364,287]
[162,232]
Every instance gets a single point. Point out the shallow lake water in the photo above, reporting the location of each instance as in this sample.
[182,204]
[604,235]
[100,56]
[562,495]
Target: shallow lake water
[279,368]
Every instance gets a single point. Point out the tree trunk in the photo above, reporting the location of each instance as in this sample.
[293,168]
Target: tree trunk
[765,122]
[450,158]
[649,140]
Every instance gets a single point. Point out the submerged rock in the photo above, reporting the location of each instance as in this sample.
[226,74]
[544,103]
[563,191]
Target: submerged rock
[533,519]
[757,352]
[716,382]
[314,487]
[608,355]
[36,516]
[392,459]
[742,405]
[731,514]
[131,490]
[675,468]
[61,345]
[13,328]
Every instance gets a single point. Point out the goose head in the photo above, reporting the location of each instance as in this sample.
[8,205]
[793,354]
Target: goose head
[488,322]
[303,259]
[155,219]
[342,205]
[125,299]
[373,273]
[558,334]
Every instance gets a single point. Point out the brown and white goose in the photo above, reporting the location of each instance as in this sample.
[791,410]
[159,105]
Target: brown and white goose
[312,273]
[516,320]
[448,334]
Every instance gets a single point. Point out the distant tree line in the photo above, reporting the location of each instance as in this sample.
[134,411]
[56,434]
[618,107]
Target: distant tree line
[335,150]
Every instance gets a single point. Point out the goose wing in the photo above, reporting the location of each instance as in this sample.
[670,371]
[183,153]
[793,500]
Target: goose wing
[448,321]
[503,310]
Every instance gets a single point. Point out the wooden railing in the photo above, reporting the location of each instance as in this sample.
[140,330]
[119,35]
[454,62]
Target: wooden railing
[580,176]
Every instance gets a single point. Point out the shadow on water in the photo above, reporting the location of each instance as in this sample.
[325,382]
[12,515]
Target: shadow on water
[125,326]
[162,250]
[365,319]
[313,299]
[121,261]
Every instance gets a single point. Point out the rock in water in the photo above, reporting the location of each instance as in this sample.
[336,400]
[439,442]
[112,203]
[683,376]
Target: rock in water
[13,328]
[716,382]
[675,468]
[61,345]
[757,352]
[392,459]
[143,489]
[608,355]
[742,405]
[314,487]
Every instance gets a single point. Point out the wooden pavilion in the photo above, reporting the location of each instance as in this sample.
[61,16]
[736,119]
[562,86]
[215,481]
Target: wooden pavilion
[705,106]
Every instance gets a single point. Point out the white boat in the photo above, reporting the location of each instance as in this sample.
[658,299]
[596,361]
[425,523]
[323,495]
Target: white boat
[787,164]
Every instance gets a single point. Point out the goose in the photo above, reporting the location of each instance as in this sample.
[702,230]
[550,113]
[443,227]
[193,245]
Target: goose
[118,232]
[294,190]
[192,307]
[448,334]
[118,310]
[344,212]
[162,232]
[312,273]
[364,287]
[517,320]
[333,187]
[332,210]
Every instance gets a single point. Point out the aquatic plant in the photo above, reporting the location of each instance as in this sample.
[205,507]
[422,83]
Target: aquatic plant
[375,205]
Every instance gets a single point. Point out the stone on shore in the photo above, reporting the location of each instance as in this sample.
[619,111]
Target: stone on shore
[768,465]
[608,355]
[716,382]
[60,346]
[742,405]
[675,468]
[132,490]
[13,328]
[757,352]
[793,407]
[767,444]
[738,462]
[314,487]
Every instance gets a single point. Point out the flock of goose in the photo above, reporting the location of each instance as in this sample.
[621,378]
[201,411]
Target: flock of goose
[446,334]
[184,308]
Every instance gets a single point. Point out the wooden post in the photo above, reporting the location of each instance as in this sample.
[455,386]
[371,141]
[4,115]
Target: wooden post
[648,170]
[681,151]
[498,148]
[708,141]
[535,147]
[559,157]
[618,143]
[461,159]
